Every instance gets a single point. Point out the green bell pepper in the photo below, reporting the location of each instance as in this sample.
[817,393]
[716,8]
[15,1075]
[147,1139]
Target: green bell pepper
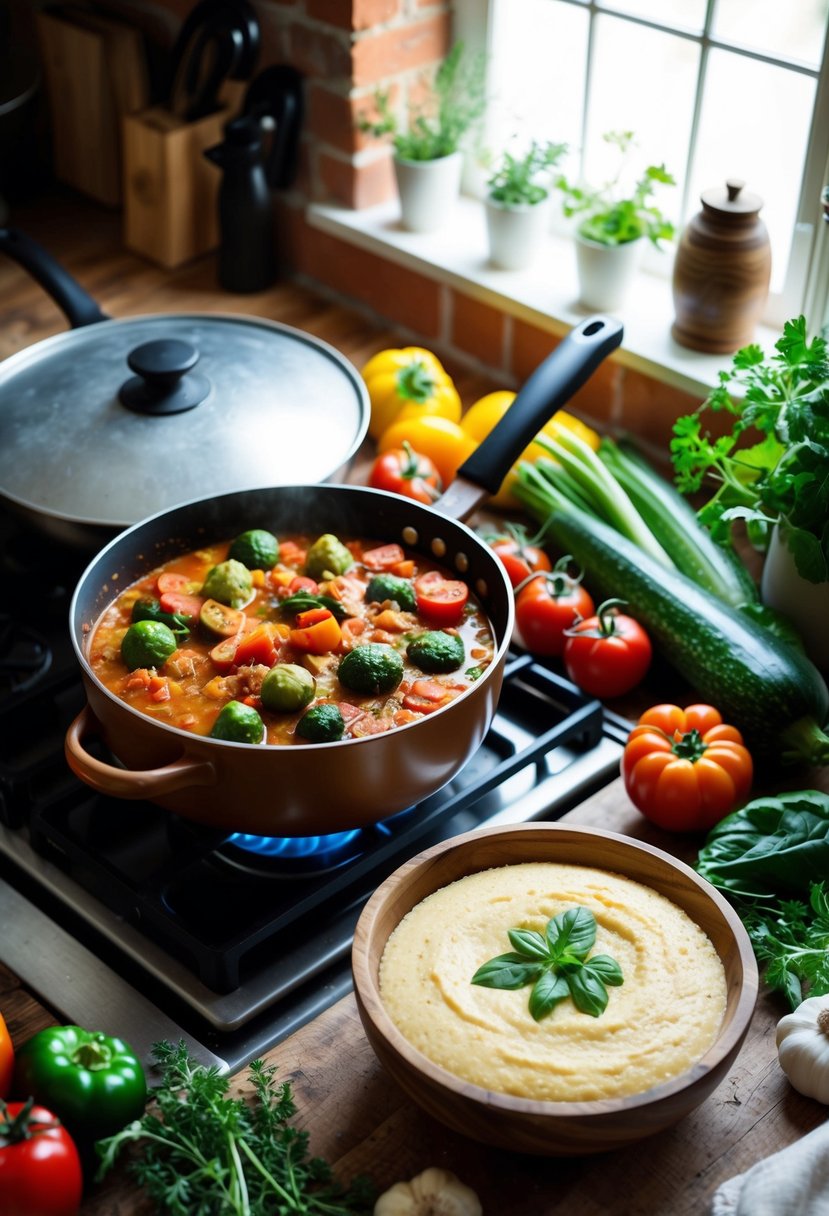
[95,1084]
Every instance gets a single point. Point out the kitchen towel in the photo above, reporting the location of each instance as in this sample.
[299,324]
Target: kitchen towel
[793,1182]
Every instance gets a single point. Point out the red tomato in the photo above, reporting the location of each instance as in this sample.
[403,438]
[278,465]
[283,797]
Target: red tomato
[441,600]
[685,769]
[40,1170]
[6,1058]
[170,581]
[547,605]
[303,583]
[185,605]
[607,654]
[520,557]
[404,471]
[385,557]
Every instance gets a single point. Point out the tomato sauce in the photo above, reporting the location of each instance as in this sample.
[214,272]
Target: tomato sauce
[189,688]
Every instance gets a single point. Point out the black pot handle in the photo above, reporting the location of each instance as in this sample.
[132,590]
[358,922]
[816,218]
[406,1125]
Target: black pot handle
[78,306]
[549,388]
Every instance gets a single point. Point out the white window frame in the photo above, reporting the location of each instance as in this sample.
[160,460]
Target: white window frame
[806,282]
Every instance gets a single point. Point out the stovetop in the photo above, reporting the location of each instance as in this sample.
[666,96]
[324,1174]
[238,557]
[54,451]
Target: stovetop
[122,915]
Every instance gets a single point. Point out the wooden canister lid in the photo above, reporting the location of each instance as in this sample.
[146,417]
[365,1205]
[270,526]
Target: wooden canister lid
[733,199]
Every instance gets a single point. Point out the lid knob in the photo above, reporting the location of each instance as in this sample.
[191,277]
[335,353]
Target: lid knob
[162,385]
[733,186]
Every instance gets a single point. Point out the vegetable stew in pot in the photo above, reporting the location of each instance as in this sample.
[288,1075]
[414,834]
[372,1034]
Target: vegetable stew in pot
[310,639]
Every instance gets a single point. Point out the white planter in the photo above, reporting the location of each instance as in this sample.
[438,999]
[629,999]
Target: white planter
[516,233]
[428,190]
[606,272]
[805,604]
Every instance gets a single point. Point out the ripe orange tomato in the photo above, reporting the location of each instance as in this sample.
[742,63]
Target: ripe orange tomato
[685,769]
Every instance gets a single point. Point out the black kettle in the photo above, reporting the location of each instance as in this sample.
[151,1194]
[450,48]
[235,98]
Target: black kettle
[271,115]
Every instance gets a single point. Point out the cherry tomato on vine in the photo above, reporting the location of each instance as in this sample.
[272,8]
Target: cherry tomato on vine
[40,1170]
[685,769]
[441,600]
[404,471]
[607,654]
[547,604]
[519,554]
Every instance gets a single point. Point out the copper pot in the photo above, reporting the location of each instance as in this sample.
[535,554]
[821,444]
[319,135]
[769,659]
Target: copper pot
[319,788]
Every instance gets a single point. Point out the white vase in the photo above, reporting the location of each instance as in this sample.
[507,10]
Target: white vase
[516,232]
[606,272]
[428,190]
[805,604]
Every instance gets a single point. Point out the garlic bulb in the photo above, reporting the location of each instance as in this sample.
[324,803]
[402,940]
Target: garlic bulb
[435,1192]
[803,1047]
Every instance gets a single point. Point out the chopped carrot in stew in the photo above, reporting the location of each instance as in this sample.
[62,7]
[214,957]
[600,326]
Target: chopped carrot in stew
[302,622]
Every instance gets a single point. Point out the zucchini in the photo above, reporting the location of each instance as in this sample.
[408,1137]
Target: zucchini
[762,685]
[674,523]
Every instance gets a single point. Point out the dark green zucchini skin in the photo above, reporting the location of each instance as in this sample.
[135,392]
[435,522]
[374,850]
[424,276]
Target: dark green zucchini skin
[766,688]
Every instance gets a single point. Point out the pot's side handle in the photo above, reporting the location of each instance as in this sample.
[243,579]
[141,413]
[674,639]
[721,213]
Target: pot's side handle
[78,306]
[123,783]
[549,388]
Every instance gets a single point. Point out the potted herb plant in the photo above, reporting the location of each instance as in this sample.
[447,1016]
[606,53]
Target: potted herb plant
[779,486]
[517,210]
[427,150]
[610,233]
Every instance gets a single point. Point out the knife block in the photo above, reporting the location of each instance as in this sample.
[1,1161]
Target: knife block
[170,189]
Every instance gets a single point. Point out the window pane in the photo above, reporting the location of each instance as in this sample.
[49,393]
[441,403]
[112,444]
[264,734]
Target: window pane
[755,125]
[687,14]
[537,77]
[794,29]
[623,94]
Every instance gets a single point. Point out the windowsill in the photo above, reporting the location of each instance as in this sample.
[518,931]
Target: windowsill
[545,295]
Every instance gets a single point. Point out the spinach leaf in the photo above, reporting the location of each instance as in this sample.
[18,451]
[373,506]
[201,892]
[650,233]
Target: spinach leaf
[773,845]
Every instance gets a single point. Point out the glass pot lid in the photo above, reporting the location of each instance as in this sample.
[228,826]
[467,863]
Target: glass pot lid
[112,422]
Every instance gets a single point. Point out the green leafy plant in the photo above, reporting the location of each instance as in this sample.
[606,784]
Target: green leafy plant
[556,965]
[770,858]
[203,1152]
[454,102]
[782,479]
[517,180]
[610,216]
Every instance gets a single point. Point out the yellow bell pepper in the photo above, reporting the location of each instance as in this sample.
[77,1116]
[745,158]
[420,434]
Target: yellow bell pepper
[445,442]
[408,383]
[486,413]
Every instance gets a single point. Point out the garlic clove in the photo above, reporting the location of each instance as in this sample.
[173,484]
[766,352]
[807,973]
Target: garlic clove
[434,1192]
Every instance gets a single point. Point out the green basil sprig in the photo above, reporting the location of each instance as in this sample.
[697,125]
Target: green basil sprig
[151,610]
[556,964]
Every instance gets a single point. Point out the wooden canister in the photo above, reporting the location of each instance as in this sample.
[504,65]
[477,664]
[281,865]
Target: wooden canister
[722,271]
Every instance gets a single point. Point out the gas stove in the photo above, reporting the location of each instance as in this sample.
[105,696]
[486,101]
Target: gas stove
[122,916]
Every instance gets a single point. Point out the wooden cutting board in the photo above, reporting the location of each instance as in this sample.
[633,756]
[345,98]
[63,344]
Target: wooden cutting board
[362,1123]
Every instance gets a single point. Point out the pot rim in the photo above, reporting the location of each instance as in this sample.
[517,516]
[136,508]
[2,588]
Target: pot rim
[197,741]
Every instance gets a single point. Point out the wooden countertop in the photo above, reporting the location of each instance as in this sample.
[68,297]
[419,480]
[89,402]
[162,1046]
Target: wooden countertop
[356,1116]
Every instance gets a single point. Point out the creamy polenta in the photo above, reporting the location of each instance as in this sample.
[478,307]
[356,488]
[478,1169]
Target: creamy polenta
[661,1020]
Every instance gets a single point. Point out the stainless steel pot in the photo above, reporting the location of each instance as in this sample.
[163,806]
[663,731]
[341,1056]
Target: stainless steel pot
[328,787]
[119,419]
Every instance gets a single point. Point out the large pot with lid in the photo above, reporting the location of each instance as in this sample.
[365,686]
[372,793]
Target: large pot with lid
[115,420]
[317,788]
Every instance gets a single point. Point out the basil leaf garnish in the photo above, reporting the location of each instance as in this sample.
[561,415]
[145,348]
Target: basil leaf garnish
[556,964]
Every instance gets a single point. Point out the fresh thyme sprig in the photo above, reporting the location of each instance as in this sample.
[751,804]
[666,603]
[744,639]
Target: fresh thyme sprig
[556,964]
[206,1153]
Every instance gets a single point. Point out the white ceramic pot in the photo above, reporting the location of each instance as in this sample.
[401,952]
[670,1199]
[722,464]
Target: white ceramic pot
[805,604]
[606,272]
[428,190]
[516,233]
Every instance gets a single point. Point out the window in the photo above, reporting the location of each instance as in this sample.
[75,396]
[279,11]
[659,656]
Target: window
[714,89]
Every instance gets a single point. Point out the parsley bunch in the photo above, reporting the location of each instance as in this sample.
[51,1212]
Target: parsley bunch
[783,478]
[792,939]
[207,1154]
[556,964]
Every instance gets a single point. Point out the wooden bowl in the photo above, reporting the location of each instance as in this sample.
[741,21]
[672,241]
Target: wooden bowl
[540,1127]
